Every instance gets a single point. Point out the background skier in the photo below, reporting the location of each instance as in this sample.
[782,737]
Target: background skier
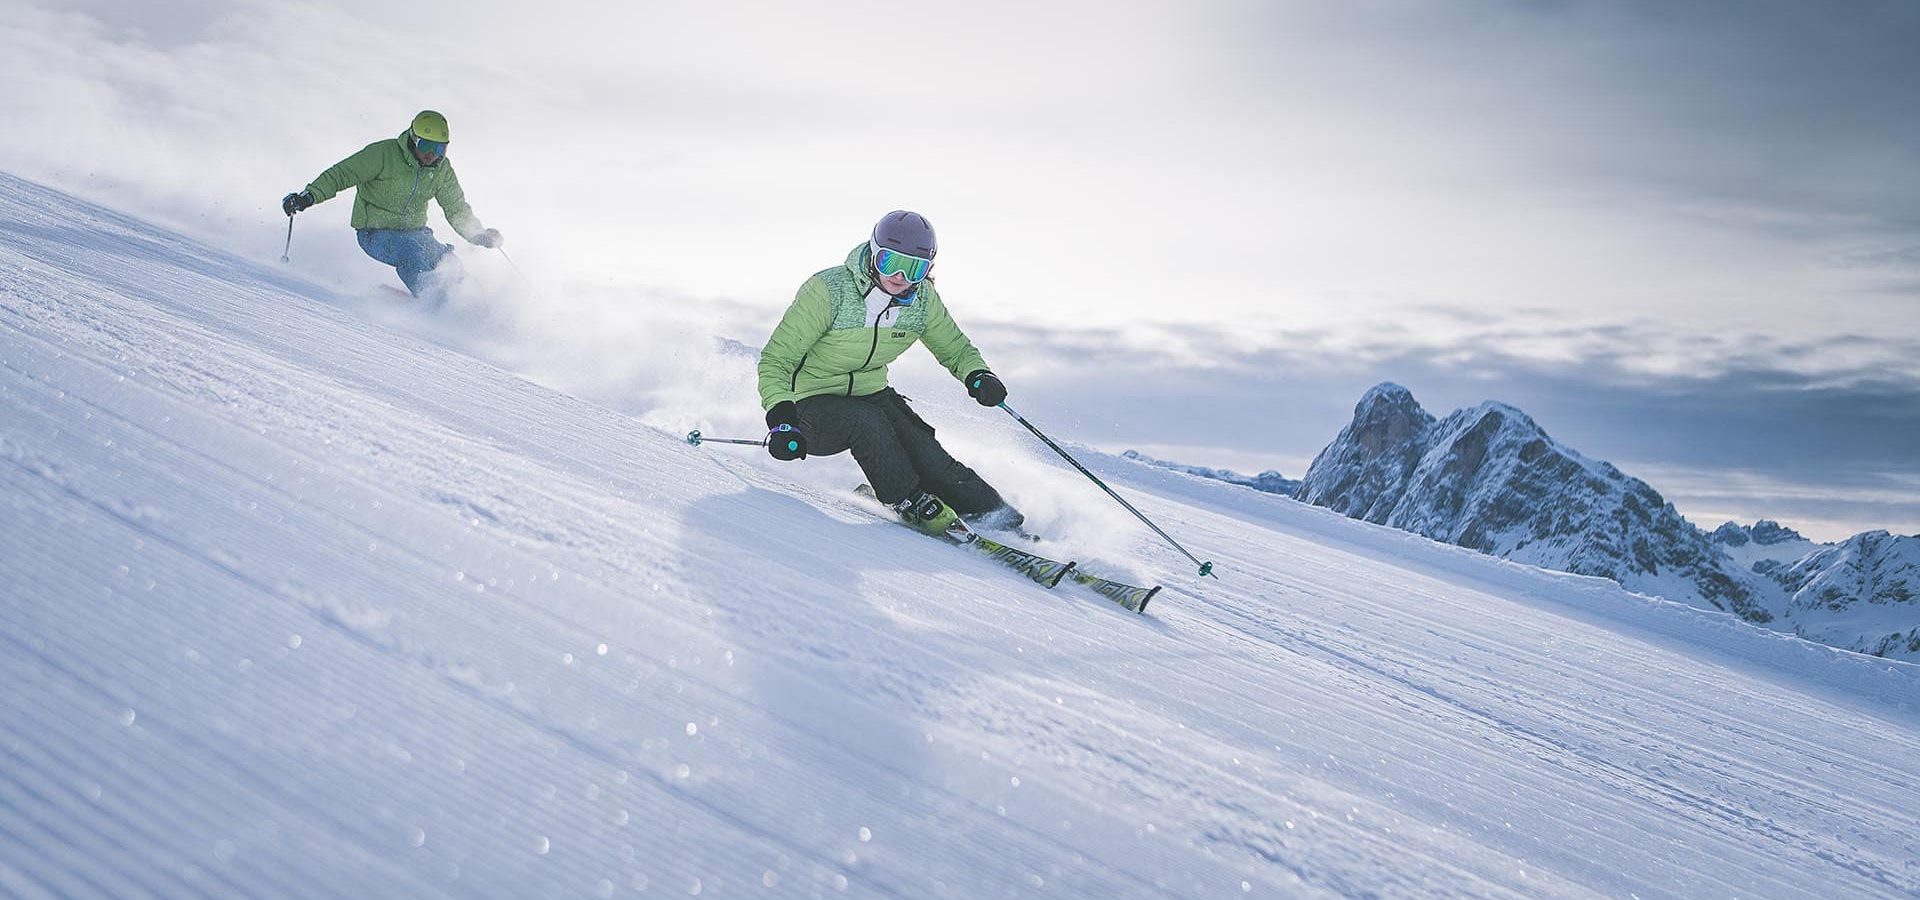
[823,378]
[393,179]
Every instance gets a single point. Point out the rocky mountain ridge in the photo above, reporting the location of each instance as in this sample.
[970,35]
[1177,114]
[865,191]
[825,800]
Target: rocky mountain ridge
[1491,479]
[1270,481]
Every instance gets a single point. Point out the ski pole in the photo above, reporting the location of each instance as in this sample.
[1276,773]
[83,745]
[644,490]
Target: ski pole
[516,267]
[696,438]
[289,248]
[1206,568]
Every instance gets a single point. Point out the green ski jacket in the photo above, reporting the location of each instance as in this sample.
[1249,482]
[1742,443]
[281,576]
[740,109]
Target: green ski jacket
[832,341]
[392,189]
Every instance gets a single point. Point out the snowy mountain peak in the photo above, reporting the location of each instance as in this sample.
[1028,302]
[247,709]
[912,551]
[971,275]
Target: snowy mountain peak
[1506,411]
[1365,469]
[1731,534]
[1491,479]
[1387,416]
[1765,533]
[1874,566]
[1386,392]
[1861,592]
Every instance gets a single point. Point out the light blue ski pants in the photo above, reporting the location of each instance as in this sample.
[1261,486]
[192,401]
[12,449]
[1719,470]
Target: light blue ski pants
[418,257]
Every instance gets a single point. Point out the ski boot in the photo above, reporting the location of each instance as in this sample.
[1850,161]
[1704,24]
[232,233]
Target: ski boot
[1002,518]
[930,514]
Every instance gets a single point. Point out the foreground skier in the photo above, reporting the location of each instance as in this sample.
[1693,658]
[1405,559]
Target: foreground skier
[393,180]
[823,378]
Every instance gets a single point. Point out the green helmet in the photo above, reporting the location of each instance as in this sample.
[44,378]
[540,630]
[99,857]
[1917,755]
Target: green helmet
[430,126]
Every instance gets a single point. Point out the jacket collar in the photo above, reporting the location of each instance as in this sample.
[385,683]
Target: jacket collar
[862,271]
[406,150]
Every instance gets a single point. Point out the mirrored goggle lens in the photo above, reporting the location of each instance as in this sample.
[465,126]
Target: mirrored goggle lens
[893,262]
[431,148]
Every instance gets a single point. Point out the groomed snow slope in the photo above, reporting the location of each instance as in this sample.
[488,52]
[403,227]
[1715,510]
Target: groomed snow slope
[298,605]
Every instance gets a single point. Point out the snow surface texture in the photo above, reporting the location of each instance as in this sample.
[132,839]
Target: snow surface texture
[297,604]
[1490,479]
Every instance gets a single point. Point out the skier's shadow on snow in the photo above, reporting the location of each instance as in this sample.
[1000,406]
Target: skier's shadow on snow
[819,655]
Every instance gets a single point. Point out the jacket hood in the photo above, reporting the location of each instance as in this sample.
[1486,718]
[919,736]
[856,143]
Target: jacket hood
[858,265]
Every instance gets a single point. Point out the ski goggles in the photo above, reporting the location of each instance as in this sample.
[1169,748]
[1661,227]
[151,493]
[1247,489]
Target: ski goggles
[430,148]
[893,262]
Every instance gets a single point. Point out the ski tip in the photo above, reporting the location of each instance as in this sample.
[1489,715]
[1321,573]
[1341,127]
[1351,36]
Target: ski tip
[1147,599]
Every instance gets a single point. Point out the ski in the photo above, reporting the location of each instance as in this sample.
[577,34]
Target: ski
[1132,598]
[1046,572]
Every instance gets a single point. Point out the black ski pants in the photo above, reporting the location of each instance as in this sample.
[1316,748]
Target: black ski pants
[895,448]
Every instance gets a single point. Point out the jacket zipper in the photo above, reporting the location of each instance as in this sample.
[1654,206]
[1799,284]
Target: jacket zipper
[411,194]
[875,348]
[418,170]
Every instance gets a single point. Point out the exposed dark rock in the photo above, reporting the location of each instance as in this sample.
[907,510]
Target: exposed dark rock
[1491,479]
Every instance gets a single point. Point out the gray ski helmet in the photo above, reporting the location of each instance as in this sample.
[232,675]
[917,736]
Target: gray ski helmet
[906,232]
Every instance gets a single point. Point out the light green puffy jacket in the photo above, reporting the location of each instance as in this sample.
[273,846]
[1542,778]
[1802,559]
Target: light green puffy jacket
[826,344]
[391,189]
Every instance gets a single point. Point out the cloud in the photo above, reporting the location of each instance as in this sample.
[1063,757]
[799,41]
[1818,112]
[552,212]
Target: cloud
[1823,414]
[1795,109]
[1659,228]
[1702,162]
[1823,507]
[1145,163]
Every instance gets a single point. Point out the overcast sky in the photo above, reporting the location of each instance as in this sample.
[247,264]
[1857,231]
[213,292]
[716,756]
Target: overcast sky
[1684,236]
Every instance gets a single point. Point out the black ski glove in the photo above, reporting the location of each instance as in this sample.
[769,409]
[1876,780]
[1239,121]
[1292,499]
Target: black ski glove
[784,440]
[985,388]
[490,238]
[295,202]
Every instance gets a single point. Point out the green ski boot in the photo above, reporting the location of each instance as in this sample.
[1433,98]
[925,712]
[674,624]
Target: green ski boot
[928,513]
